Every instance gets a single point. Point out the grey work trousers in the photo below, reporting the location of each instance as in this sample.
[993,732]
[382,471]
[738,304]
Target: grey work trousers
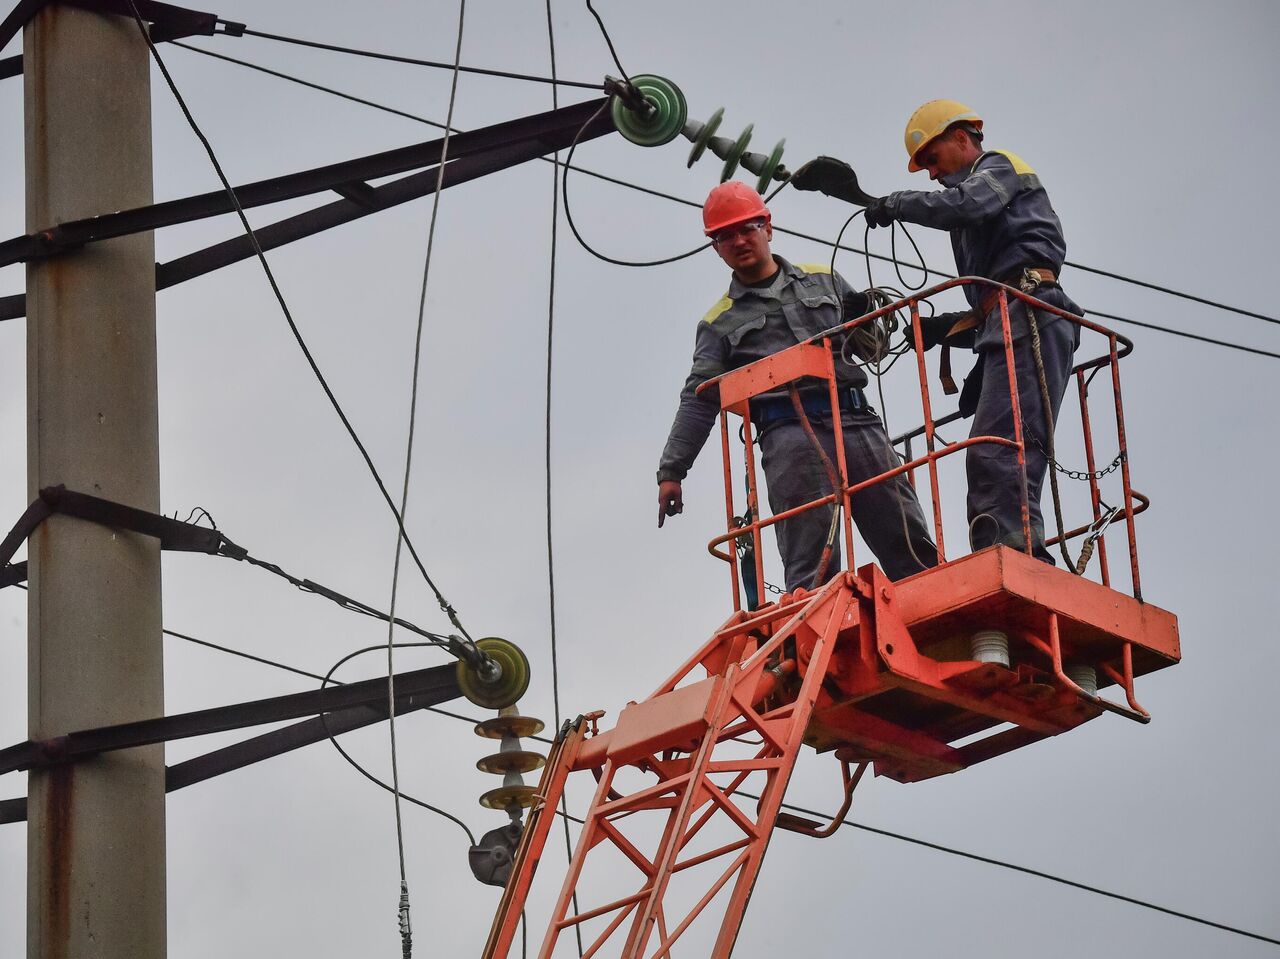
[995,486]
[887,514]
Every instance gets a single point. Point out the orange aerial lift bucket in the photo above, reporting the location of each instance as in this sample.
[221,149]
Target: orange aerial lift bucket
[983,654]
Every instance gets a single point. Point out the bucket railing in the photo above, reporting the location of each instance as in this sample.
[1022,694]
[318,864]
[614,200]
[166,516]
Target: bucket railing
[814,361]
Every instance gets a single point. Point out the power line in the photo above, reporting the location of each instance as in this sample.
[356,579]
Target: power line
[1027,870]
[551,566]
[405,933]
[445,606]
[374,55]
[1172,292]
[596,86]
[780,229]
[399,794]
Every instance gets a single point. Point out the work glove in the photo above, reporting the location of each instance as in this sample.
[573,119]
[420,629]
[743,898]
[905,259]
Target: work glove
[878,212]
[934,329]
[855,304]
[833,177]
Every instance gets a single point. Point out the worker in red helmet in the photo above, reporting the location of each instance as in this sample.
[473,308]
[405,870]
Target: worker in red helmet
[773,304]
[1004,228]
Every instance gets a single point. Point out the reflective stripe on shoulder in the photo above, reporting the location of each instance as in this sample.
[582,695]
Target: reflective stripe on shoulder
[1020,166]
[721,305]
[814,267]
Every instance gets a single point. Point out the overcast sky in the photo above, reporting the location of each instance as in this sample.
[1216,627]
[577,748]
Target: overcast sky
[1151,125]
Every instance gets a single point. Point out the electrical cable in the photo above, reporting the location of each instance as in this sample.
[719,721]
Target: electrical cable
[445,606]
[374,55]
[609,41]
[568,214]
[1171,292]
[307,83]
[352,605]
[551,566]
[1027,870]
[405,933]
[788,232]
[325,680]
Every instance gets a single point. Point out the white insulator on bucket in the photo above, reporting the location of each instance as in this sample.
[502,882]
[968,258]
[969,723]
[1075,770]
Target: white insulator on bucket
[1086,677]
[990,646]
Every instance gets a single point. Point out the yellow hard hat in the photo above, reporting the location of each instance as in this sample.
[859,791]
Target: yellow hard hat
[931,120]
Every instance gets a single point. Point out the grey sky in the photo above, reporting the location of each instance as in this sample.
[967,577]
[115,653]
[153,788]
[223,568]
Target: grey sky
[1150,124]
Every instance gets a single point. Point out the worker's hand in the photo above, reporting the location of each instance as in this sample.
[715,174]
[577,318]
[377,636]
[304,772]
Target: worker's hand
[855,304]
[878,212]
[670,500]
[823,174]
[833,177]
[934,329]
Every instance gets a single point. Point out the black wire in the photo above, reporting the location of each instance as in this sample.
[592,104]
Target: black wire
[297,334]
[568,214]
[551,566]
[310,675]
[324,721]
[893,253]
[1165,289]
[1085,887]
[374,55]
[608,40]
[345,602]
[788,232]
[313,86]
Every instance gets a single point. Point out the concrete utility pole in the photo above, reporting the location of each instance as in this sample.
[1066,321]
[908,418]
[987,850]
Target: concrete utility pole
[96,842]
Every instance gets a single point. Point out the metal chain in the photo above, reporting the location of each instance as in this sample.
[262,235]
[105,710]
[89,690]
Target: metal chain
[742,545]
[1077,474]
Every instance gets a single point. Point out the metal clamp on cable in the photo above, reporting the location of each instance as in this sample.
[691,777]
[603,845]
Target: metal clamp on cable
[630,95]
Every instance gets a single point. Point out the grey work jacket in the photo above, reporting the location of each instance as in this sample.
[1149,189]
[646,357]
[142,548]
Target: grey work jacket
[748,324]
[1001,221]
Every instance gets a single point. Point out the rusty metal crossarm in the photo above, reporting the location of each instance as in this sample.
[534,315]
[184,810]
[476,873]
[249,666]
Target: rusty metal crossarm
[435,684]
[544,130]
[275,743]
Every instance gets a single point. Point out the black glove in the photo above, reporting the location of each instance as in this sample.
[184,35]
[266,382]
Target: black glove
[878,212]
[855,304]
[934,329]
[833,177]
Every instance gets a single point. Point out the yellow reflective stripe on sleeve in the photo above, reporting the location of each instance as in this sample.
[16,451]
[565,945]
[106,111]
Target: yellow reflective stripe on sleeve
[1020,166]
[814,267]
[721,305]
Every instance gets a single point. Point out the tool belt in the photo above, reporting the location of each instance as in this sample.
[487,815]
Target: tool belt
[1030,278]
[765,411]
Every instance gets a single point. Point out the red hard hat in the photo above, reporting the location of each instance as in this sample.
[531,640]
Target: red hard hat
[730,203]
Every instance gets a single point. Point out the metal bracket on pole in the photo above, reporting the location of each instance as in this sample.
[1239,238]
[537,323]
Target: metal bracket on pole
[172,533]
[168,22]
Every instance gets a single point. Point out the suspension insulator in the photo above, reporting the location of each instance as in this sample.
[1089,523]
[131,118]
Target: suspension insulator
[507,798]
[512,725]
[767,168]
[663,123]
[511,761]
[507,683]
[734,153]
[701,134]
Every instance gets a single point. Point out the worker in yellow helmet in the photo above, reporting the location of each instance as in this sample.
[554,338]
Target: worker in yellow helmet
[1002,228]
[773,304]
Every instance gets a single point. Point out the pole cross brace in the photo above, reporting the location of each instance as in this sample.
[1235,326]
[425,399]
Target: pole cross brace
[172,533]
